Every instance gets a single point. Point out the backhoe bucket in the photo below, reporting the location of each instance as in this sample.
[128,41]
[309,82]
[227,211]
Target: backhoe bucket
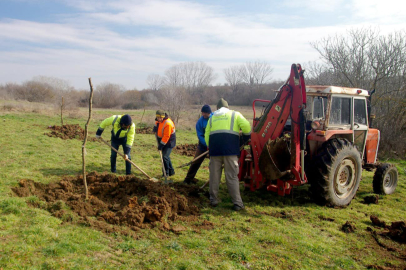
[274,161]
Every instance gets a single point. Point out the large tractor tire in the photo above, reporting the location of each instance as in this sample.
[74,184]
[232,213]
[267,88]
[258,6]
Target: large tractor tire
[336,173]
[385,179]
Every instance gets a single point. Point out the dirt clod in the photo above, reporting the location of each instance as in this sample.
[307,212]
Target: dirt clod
[117,201]
[371,199]
[377,222]
[348,227]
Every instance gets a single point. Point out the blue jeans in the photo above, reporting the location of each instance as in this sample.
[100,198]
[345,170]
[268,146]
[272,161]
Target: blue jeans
[166,152]
[116,144]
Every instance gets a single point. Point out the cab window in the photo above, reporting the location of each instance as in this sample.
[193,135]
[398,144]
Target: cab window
[319,106]
[360,114]
[340,111]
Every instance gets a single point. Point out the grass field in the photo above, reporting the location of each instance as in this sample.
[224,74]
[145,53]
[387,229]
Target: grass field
[272,233]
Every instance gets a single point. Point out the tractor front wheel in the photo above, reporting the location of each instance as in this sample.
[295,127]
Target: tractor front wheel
[385,179]
[337,173]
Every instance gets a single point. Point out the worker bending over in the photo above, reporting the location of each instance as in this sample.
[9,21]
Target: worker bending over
[201,147]
[122,133]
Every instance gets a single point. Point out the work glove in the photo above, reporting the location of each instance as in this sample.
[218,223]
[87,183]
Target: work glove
[155,129]
[160,146]
[125,157]
[98,136]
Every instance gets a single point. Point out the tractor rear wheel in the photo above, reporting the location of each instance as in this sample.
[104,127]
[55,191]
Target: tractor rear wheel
[385,179]
[336,173]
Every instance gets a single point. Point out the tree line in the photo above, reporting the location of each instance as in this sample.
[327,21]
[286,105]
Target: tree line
[362,58]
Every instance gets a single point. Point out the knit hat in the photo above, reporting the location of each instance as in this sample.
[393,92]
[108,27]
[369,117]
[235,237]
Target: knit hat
[222,103]
[126,120]
[160,113]
[206,109]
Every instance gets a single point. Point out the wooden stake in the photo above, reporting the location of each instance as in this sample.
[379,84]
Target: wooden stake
[62,112]
[85,140]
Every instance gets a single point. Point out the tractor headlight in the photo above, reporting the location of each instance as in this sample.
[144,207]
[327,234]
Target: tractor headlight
[315,125]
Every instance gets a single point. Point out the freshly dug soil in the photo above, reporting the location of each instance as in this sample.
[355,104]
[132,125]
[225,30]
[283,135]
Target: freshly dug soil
[186,149]
[144,130]
[117,201]
[67,132]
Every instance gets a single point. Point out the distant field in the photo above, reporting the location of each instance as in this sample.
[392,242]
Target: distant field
[272,233]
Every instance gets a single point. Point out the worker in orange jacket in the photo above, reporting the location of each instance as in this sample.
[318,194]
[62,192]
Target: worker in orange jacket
[165,132]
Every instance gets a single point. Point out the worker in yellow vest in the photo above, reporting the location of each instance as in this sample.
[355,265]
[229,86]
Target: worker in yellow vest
[165,131]
[222,136]
[122,133]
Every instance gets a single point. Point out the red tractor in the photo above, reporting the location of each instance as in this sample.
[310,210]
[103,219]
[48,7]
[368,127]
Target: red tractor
[318,135]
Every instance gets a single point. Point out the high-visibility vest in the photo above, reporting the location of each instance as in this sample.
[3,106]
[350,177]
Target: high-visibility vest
[222,133]
[166,129]
[116,130]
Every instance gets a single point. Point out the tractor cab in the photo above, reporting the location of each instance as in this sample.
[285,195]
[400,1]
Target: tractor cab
[337,112]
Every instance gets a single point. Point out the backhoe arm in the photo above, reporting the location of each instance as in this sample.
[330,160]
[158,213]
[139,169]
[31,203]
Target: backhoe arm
[289,103]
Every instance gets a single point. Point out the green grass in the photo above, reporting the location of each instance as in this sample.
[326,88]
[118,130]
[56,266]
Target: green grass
[30,238]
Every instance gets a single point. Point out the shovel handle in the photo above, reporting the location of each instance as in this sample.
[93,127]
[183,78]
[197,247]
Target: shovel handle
[205,184]
[196,158]
[115,150]
[163,166]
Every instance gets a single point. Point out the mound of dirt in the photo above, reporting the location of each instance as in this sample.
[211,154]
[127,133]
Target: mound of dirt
[396,231]
[117,201]
[67,132]
[186,149]
[144,130]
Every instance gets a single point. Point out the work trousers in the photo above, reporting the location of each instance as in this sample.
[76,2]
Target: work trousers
[195,166]
[113,157]
[166,152]
[231,174]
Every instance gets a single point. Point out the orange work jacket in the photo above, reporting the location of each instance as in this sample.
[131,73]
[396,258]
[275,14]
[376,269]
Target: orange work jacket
[166,131]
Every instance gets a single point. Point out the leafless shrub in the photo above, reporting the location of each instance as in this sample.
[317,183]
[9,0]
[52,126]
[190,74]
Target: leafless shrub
[107,95]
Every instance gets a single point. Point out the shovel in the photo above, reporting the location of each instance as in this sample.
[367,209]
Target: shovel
[162,162]
[196,158]
[163,169]
[115,150]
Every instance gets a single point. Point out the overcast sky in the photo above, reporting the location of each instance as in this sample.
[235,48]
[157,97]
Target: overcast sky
[124,41]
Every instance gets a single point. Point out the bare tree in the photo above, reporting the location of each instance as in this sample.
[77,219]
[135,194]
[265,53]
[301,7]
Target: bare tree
[319,74]
[193,76]
[256,73]
[174,77]
[366,59]
[173,99]
[232,76]
[348,56]
[155,81]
